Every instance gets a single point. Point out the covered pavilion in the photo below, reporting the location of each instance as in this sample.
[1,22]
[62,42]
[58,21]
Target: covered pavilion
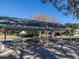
[38,29]
[28,25]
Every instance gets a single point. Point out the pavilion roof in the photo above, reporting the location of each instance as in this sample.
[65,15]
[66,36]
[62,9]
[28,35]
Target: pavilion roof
[17,23]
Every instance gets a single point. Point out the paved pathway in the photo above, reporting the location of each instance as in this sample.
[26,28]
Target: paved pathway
[54,51]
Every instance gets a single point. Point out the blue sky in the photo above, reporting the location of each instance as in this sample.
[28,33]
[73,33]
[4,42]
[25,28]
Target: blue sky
[28,8]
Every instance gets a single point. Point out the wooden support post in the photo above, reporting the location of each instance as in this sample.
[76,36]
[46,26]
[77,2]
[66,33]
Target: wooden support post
[60,33]
[5,35]
[70,35]
[53,34]
[40,35]
[47,40]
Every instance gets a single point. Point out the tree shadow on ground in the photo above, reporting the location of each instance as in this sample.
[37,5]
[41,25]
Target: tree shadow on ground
[63,53]
[37,52]
[74,46]
[8,57]
[46,54]
[42,53]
